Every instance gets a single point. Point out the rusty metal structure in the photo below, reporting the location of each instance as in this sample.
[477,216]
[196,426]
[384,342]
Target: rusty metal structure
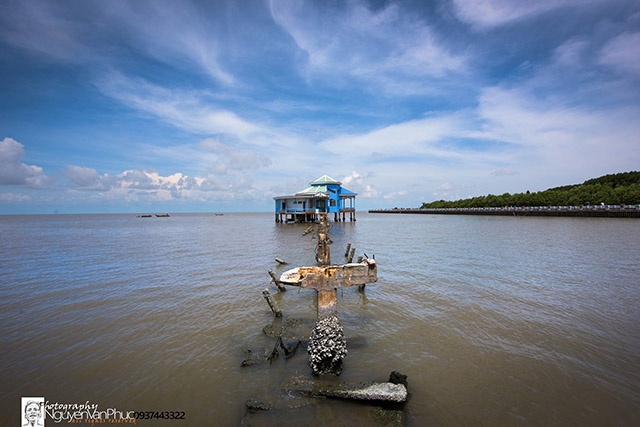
[326,279]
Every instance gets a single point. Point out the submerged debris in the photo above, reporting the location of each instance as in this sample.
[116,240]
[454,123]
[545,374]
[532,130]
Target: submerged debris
[274,354]
[272,331]
[255,405]
[253,359]
[281,261]
[288,345]
[368,391]
[327,347]
[397,378]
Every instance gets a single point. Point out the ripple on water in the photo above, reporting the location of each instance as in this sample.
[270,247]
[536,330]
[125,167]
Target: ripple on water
[495,320]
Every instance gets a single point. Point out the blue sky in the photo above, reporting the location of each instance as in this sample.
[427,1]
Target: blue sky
[116,106]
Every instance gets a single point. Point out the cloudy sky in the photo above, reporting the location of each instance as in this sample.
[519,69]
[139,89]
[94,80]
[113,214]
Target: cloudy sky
[134,106]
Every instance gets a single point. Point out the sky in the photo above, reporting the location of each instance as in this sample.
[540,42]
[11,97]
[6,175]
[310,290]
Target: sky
[210,106]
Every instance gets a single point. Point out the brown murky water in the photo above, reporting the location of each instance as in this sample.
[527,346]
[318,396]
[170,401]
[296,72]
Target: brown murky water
[496,321]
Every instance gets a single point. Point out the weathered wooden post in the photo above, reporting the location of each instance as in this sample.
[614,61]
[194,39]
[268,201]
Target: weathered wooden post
[346,254]
[353,252]
[273,305]
[277,281]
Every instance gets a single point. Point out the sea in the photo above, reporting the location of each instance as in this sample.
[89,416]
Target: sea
[495,321]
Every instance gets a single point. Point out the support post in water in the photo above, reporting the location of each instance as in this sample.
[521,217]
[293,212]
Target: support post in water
[273,305]
[327,299]
[323,256]
[276,281]
[346,254]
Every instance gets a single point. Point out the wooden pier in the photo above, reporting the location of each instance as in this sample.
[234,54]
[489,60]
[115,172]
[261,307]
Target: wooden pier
[563,211]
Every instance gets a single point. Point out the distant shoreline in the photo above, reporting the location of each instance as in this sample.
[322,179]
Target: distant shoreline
[562,211]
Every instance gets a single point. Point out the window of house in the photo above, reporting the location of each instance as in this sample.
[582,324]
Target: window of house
[332,202]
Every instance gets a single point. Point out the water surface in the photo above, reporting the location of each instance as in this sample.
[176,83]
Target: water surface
[495,320]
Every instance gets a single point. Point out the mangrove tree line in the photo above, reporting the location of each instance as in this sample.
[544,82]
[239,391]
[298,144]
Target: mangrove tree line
[614,189]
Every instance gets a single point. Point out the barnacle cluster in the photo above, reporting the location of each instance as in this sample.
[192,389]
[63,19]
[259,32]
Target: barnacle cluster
[327,347]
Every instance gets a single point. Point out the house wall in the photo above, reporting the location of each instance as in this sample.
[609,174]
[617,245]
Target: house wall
[334,199]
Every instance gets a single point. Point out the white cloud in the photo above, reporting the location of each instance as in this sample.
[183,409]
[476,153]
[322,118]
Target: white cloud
[14,197]
[163,30]
[182,109]
[446,186]
[553,133]
[234,142]
[185,33]
[622,53]
[503,172]
[355,178]
[570,53]
[13,171]
[395,194]
[55,36]
[415,136]
[232,158]
[134,184]
[369,193]
[356,183]
[491,13]
[373,46]
[84,178]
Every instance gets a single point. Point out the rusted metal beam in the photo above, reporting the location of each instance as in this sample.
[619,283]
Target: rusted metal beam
[323,256]
[330,277]
[327,303]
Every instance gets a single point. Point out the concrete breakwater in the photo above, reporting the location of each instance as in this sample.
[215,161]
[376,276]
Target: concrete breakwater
[615,211]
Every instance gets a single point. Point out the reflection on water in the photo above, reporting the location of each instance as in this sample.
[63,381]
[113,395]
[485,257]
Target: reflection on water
[496,321]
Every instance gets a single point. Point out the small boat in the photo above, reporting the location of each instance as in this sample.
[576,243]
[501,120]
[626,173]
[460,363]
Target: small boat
[143,216]
[218,214]
[162,215]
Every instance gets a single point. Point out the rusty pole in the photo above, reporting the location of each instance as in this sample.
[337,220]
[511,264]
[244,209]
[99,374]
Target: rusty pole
[326,298]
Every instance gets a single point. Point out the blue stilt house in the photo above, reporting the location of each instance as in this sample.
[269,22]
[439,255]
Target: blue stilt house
[325,195]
